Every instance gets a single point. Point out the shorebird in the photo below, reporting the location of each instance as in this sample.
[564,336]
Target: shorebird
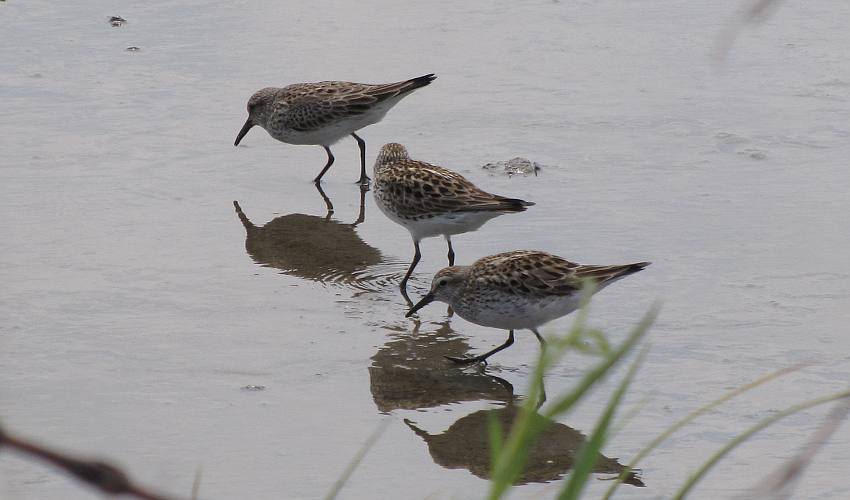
[322,113]
[516,290]
[432,201]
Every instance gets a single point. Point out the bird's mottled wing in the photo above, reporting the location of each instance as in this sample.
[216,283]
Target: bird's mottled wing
[528,273]
[311,106]
[425,190]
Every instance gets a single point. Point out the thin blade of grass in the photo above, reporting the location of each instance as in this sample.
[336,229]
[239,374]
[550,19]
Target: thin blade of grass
[361,453]
[108,479]
[630,415]
[496,437]
[758,11]
[578,328]
[196,484]
[566,402]
[691,417]
[589,453]
[740,438]
[514,454]
[779,485]
[509,463]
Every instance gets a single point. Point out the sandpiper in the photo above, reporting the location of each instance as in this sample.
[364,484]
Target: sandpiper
[322,113]
[431,201]
[516,290]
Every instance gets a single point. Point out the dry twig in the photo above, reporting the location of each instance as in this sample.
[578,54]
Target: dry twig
[100,475]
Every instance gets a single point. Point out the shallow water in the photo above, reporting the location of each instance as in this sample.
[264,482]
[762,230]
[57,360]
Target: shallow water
[137,305]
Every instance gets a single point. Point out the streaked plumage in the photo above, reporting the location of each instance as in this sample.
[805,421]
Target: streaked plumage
[516,290]
[322,113]
[432,201]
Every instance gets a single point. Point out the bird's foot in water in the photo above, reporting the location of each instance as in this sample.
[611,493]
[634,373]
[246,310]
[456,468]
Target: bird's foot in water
[468,360]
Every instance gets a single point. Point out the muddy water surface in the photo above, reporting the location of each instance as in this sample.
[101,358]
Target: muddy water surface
[137,304]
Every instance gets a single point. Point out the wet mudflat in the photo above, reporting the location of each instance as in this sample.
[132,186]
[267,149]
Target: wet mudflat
[137,305]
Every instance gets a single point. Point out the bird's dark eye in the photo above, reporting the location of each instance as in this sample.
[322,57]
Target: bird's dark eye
[441,283]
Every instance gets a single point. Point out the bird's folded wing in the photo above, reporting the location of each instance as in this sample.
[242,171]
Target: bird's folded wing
[532,274]
[315,111]
[434,190]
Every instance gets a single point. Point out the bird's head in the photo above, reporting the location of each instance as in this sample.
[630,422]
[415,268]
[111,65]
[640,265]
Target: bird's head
[259,106]
[389,153]
[445,287]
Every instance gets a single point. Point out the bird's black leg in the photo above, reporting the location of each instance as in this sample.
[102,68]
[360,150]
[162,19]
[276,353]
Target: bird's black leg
[406,297]
[483,358]
[539,337]
[449,311]
[327,200]
[364,179]
[362,215]
[542,398]
[416,257]
[330,162]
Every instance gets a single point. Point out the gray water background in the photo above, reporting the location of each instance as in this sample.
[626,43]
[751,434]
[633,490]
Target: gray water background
[132,315]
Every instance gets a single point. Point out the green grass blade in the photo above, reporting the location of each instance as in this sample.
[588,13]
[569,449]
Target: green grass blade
[691,417]
[196,484]
[361,453]
[597,372]
[740,438]
[630,415]
[496,437]
[780,483]
[513,452]
[589,453]
[510,463]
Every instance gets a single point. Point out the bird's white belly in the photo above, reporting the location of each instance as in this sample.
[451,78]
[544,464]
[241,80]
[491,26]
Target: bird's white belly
[516,313]
[335,130]
[324,136]
[449,224]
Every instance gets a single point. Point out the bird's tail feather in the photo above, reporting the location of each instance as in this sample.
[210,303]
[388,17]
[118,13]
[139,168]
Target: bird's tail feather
[606,274]
[407,86]
[420,81]
[514,204]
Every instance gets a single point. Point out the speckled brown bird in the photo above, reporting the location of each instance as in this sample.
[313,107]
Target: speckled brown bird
[432,201]
[516,290]
[322,113]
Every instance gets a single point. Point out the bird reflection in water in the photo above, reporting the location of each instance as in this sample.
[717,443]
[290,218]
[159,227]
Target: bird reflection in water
[318,248]
[410,373]
[466,445]
[364,188]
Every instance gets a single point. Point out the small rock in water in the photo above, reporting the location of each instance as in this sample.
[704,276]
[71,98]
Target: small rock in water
[755,154]
[252,387]
[117,21]
[133,49]
[514,166]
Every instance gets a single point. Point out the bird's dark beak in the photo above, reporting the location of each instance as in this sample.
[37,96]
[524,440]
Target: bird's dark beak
[245,129]
[427,299]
